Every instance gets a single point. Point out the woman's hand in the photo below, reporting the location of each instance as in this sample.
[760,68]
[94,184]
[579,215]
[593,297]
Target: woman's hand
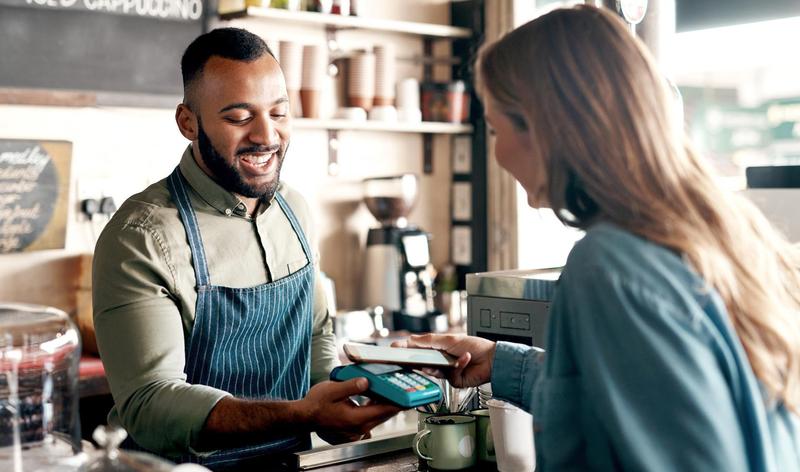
[475,356]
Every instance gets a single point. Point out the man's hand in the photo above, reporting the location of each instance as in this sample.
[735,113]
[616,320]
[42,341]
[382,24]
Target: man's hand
[475,356]
[336,417]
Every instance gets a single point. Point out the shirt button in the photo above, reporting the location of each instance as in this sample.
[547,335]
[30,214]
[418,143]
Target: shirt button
[228,211]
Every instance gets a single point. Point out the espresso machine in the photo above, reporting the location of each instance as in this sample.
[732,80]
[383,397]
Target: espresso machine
[398,275]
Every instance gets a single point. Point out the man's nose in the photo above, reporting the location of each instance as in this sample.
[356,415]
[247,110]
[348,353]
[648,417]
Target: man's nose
[263,131]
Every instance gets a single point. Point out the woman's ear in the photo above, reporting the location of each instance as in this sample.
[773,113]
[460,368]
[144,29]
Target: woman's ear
[577,199]
[187,122]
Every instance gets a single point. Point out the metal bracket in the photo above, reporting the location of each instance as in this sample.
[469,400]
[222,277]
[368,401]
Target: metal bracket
[333,152]
[427,51]
[427,138]
[334,51]
[427,153]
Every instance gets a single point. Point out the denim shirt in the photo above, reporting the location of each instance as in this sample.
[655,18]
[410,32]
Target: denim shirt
[644,371]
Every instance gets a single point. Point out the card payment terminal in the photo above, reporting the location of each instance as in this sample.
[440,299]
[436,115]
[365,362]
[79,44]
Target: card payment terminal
[400,386]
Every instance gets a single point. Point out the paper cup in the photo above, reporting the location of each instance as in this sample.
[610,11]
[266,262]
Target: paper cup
[512,434]
[315,65]
[409,115]
[408,94]
[385,71]
[361,75]
[274,47]
[383,113]
[291,60]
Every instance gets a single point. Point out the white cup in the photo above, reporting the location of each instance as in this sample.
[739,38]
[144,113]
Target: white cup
[383,113]
[351,113]
[512,433]
[408,94]
[409,115]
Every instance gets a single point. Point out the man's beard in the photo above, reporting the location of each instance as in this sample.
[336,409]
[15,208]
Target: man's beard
[229,177]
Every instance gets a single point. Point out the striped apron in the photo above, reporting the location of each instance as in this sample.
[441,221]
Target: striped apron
[253,342]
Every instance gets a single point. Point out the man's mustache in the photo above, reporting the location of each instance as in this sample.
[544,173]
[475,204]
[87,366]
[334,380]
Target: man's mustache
[258,149]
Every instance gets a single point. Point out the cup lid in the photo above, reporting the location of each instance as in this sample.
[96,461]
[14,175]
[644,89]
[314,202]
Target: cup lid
[495,403]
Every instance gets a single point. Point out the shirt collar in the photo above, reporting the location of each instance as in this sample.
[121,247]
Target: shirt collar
[210,191]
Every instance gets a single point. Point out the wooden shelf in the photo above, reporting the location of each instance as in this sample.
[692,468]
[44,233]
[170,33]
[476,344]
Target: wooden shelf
[425,127]
[350,22]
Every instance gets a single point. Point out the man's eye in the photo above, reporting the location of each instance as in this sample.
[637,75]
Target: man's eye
[237,119]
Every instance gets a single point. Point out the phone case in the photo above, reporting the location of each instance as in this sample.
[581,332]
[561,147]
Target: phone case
[355,357]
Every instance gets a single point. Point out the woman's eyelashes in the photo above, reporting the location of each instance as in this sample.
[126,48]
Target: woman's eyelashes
[517,121]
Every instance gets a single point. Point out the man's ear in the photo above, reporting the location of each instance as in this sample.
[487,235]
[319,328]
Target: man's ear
[187,122]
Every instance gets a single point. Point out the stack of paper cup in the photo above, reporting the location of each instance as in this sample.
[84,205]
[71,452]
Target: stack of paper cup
[484,395]
[512,433]
[408,100]
[361,80]
[274,47]
[315,64]
[291,60]
[384,75]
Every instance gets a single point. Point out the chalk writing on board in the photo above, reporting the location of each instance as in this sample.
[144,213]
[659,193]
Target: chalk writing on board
[34,184]
[180,10]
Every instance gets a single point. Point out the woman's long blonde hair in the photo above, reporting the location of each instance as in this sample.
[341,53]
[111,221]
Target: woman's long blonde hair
[604,120]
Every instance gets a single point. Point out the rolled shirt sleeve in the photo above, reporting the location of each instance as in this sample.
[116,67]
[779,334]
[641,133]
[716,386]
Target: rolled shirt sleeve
[515,371]
[140,337]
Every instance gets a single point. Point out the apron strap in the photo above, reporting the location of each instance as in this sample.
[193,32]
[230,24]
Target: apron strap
[287,210]
[177,188]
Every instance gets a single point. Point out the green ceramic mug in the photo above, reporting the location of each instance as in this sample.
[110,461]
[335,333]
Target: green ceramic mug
[422,415]
[483,435]
[447,442]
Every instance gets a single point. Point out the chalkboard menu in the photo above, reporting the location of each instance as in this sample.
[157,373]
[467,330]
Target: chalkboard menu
[63,44]
[34,188]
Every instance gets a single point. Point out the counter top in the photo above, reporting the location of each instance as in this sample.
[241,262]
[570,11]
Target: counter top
[400,461]
[389,450]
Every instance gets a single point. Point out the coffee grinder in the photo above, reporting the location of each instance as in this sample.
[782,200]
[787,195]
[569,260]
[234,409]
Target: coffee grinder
[398,274]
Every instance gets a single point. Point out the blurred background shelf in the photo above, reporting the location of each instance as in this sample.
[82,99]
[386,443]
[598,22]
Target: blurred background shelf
[425,127]
[349,22]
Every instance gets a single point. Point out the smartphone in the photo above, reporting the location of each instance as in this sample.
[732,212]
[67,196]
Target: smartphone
[398,355]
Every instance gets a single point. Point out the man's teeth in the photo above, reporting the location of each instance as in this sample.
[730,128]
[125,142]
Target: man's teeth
[257,160]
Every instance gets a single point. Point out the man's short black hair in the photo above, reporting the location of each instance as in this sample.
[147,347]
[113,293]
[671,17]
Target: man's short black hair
[230,43]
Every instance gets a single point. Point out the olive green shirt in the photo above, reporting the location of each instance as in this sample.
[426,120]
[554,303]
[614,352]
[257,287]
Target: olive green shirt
[144,299]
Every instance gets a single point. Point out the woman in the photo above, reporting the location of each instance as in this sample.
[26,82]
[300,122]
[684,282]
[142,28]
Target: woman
[674,336]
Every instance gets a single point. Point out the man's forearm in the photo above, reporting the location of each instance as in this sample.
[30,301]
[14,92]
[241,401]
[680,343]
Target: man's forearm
[235,422]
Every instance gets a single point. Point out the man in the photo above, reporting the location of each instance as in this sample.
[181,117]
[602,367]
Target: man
[209,316]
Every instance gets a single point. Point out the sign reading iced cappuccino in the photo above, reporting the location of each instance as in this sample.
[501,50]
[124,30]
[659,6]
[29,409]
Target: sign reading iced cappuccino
[182,10]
